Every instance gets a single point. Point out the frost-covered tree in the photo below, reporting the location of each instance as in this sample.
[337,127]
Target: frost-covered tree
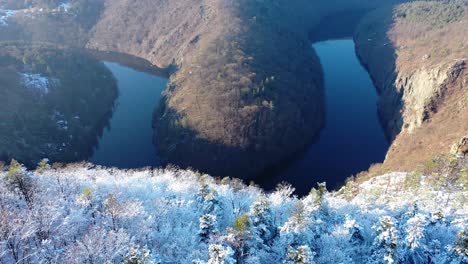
[297,228]
[220,254]
[385,246]
[137,255]
[99,246]
[460,249]
[415,239]
[17,179]
[98,215]
[114,209]
[42,166]
[208,199]
[261,225]
[300,255]
[207,227]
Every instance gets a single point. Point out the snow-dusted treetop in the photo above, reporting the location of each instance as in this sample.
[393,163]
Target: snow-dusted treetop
[87,214]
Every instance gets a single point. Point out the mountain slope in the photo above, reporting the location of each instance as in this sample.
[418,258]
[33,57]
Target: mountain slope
[416,53]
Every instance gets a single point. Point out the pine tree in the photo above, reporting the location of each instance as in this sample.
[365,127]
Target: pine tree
[300,255]
[385,246]
[208,199]
[207,227]
[355,231]
[415,239]
[261,224]
[18,180]
[460,249]
[136,255]
[42,166]
[221,255]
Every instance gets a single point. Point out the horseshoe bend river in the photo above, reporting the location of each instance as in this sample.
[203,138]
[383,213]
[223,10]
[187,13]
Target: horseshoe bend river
[351,140]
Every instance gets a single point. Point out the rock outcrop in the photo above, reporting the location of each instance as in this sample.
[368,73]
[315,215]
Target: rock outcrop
[461,148]
[420,74]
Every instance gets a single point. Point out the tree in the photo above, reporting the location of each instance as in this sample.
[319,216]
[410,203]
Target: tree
[114,208]
[300,255]
[385,246]
[460,249]
[207,227]
[18,180]
[221,255]
[42,166]
[136,255]
[262,227]
[415,239]
[208,199]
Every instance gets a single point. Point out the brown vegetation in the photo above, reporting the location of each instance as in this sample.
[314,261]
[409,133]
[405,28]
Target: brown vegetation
[416,53]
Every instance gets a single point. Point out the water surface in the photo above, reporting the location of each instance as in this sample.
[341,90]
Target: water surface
[127,142]
[352,138]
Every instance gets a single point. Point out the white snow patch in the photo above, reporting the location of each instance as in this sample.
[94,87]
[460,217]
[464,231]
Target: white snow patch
[4,15]
[65,6]
[37,82]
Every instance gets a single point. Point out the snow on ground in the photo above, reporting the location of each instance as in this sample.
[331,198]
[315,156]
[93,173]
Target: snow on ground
[37,82]
[4,15]
[30,12]
[65,6]
[106,215]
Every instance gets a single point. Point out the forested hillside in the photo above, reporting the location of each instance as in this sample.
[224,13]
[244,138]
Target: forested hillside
[54,103]
[86,214]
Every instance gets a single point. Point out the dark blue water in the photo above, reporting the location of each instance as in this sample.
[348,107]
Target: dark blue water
[352,138]
[350,142]
[127,142]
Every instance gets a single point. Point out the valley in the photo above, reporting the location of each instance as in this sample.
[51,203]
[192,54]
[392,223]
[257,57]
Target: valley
[233,131]
[237,106]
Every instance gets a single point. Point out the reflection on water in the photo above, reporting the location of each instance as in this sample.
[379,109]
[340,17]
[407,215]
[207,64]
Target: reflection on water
[352,138]
[127,142]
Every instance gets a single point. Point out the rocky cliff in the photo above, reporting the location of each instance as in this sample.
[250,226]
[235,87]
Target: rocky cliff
[416,54]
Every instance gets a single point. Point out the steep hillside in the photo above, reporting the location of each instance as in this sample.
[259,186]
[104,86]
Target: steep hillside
[53,21]
[47,110]
[247,91]
[417,55]
[83,214]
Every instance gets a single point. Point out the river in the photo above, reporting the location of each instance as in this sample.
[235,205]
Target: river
[127,141]
[353,137]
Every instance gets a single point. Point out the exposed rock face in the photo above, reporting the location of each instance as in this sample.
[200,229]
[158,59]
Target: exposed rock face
[421,76]
[461,148]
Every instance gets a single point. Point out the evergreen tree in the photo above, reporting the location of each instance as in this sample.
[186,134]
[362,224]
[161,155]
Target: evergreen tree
[415,239]
[262,227]
[355,231]
[18,180]
[460,249]
[300,255]
[208,199]
[385,246]
[136,255]
[221,255]
[42,166]
[207,226]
